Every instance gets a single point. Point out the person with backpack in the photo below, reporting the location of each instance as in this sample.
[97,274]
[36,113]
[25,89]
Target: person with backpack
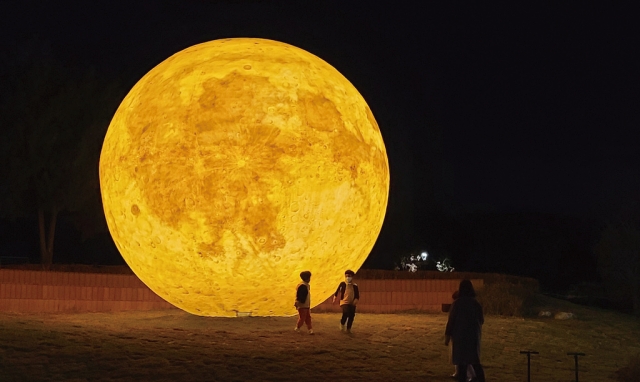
[349,297]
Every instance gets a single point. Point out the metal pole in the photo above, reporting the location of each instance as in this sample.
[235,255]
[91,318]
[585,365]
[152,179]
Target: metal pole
[528,353]
[575,356]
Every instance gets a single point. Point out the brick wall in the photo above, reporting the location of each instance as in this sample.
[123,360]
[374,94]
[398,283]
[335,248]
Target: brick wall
[390,296]
[42,291]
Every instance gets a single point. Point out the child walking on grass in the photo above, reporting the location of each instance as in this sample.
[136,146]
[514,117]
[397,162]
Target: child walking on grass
[349,296]
[303,302]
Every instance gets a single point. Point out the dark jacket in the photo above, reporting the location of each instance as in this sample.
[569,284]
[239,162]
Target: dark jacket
[465,328]
[303,297]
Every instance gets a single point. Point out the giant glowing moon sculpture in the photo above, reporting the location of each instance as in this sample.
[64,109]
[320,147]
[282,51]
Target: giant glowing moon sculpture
[236,164]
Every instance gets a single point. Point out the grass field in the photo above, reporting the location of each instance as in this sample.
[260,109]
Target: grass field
[175,346]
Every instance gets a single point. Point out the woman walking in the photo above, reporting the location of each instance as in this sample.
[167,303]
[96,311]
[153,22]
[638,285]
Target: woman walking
[464,330]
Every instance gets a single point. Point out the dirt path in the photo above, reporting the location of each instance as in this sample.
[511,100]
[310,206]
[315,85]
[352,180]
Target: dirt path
[176,346]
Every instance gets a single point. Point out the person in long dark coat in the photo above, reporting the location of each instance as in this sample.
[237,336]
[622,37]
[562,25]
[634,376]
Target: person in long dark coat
[464,330]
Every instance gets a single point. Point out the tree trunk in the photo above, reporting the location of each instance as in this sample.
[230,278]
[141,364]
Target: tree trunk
[46,241]
[52,233]
[635,295]
[43,240]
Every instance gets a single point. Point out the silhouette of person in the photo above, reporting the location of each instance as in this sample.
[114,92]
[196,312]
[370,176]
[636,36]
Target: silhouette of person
[471,374]
[464,331]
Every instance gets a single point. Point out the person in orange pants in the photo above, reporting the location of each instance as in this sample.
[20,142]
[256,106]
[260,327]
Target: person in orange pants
[303,302]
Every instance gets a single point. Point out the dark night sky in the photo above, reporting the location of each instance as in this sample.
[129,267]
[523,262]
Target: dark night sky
[484,109]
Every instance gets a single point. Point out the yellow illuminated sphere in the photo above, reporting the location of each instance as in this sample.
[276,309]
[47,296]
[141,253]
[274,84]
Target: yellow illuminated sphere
[236,164]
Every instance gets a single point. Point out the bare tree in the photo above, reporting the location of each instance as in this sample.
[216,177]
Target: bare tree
[53,122]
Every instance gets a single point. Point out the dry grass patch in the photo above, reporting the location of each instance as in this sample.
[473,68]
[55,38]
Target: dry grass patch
[176,346]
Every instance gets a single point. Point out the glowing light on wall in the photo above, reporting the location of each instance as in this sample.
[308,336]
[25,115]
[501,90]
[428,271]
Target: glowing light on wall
[235,164]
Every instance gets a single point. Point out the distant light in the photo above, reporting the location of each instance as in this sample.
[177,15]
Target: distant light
[424,255]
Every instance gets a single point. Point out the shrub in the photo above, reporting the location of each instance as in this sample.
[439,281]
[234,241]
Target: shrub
[508,296]
[631,371]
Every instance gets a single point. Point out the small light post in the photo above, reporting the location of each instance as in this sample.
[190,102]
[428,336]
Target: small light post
[575,356]
[528,353]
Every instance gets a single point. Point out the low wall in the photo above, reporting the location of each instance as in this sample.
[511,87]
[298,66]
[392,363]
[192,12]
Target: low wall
[390,296]
[43,291]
